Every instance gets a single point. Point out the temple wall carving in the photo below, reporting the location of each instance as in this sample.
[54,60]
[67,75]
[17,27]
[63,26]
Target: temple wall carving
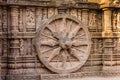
[21,23]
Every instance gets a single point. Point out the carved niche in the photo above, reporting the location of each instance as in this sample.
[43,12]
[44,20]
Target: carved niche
[63,43]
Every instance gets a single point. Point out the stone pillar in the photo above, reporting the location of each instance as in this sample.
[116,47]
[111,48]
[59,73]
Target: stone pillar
[14,42]
[14,19]
[107,20]
[108,43]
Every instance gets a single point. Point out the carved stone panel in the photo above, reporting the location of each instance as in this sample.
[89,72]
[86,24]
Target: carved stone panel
[30,18]
[63,43]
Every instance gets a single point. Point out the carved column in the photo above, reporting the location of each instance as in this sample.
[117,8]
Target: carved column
[107,20]
[79,14]
[14,19]
[108,62]
[14,42]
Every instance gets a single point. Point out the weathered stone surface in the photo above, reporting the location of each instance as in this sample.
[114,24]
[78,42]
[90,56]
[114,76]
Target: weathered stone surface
[75,38]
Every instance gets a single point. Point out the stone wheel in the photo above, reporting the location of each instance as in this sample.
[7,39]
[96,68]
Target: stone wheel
[63,43]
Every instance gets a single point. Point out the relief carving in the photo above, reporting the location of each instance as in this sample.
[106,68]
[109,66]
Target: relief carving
[14,18]
[4,19]
[80,15]
[73,12]
[30,18]
[63,44]
[117,46]
[22,47]
[21,20]
[118,19]
[58,46]
[92,20]
[51,12]
[38,17]
[85,16]
[5,47]
[29,47]
[44,13]
[115,24]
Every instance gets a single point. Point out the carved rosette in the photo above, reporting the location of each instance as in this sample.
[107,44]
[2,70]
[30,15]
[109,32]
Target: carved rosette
[63,43]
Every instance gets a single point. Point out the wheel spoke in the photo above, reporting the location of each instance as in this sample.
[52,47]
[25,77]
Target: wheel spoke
[58,59]
[75,54]
[48,50]
[48,36]
[79,50]
[52,30]
[54,53]
[69,26]
[64,60]
[56,26]
[63,25]
[74,32]
[68,57]
[49,42]
[79,43]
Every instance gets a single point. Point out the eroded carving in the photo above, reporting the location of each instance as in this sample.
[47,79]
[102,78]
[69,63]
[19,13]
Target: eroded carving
[61,48]
[30,15]
[118,19]
[21,20]
[92,19]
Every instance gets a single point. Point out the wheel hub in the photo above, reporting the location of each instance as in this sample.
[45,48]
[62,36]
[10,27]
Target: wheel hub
[65,43]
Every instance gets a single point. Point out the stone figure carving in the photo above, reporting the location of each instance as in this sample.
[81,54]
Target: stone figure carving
[92,19]
[118,19]
[30,19]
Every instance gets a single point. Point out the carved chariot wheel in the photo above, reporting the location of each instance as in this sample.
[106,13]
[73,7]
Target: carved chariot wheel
[63,43]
